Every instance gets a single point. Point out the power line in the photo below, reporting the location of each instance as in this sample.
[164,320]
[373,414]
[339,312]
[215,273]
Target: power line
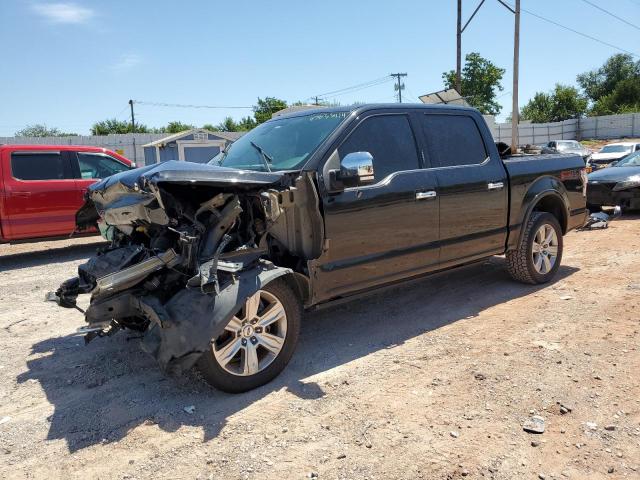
[611,14]
[362,88]
[354,88]
[180,105]
[580,33]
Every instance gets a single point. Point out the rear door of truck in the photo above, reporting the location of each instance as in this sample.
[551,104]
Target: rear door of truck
[40,194]
[473,187]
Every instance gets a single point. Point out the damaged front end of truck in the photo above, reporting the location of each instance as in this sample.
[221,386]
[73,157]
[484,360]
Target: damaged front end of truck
[189,243]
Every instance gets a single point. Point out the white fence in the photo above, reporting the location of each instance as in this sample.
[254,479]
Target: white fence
[609,126]
[130,144]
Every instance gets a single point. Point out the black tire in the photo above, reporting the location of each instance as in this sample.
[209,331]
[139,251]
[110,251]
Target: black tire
[223,380]
[520,261]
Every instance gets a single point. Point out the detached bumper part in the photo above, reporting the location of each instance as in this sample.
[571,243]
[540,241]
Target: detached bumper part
[180,329]
[193,318]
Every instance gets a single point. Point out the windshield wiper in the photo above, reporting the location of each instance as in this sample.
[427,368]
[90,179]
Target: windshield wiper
[265,157]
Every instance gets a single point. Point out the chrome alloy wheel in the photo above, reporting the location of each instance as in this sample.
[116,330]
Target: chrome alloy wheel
[545,249]
[254,337]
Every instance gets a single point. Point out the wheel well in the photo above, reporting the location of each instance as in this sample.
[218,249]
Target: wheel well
[299,283]
[555,206]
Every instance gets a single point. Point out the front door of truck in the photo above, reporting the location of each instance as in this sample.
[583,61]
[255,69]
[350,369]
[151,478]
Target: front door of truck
[473,187]
[90,167]
[384,230]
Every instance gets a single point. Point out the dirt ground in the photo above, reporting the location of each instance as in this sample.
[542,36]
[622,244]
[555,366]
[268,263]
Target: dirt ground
[432,380]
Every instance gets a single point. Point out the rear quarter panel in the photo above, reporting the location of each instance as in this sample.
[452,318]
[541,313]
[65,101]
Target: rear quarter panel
[532,178]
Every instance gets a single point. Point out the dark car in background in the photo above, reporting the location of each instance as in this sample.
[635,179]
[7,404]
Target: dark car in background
[568,146]
[617,185]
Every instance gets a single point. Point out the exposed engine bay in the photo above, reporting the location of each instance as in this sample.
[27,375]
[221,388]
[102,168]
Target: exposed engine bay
[188,243]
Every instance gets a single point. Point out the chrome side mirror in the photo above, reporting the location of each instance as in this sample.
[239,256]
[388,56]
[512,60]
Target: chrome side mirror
[356,168]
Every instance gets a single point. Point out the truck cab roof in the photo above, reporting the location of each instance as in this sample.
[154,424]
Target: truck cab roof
[357,109]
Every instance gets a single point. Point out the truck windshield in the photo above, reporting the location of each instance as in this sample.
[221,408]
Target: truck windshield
[281,144]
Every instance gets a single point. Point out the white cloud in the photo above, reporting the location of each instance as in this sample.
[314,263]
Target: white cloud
[63,12]
[127,62]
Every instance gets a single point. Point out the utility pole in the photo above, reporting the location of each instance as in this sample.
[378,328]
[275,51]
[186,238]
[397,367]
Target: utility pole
[316,101]
[459,30]
[133,118]
[516,61]
[399,86]
[133,130]
[515,113]
[459,50]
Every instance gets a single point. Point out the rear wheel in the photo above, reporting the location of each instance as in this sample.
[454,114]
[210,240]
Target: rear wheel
[257,343]
[538,256]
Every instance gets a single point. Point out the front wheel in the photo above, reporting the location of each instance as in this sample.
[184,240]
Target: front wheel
[257,343]
[538,256]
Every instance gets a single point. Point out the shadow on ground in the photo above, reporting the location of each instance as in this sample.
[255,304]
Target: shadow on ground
[36,258]
[102,391]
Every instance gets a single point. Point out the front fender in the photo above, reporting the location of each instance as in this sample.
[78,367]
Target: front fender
[190,319]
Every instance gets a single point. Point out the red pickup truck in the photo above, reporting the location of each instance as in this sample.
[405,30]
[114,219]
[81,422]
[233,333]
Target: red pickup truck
[42,187]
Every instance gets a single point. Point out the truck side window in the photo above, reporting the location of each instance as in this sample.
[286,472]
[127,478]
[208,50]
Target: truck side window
[94,165]
[389,139]
[454,140]
[40,166]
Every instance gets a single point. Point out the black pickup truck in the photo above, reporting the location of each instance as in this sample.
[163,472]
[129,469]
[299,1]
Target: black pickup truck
[215,263]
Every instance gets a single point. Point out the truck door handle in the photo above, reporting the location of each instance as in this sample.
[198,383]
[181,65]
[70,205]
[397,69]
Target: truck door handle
[21,194]
[426,195]
[495,185]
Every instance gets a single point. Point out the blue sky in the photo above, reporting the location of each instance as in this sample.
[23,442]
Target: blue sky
[69,64]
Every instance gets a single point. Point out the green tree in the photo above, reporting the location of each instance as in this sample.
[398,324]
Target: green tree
[266,107]
[177,127]
[538,109]
[227,125]
[480,83]
[40,130]
[562,103]
[246,123]
[603,81]
[114,125]
[625,98]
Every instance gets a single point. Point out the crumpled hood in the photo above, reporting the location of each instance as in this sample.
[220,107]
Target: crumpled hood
[188,173]
[613,174]
[135,193]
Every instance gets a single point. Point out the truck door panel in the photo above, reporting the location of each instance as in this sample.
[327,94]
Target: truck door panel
[385,231]
[40,194]
[473,188]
